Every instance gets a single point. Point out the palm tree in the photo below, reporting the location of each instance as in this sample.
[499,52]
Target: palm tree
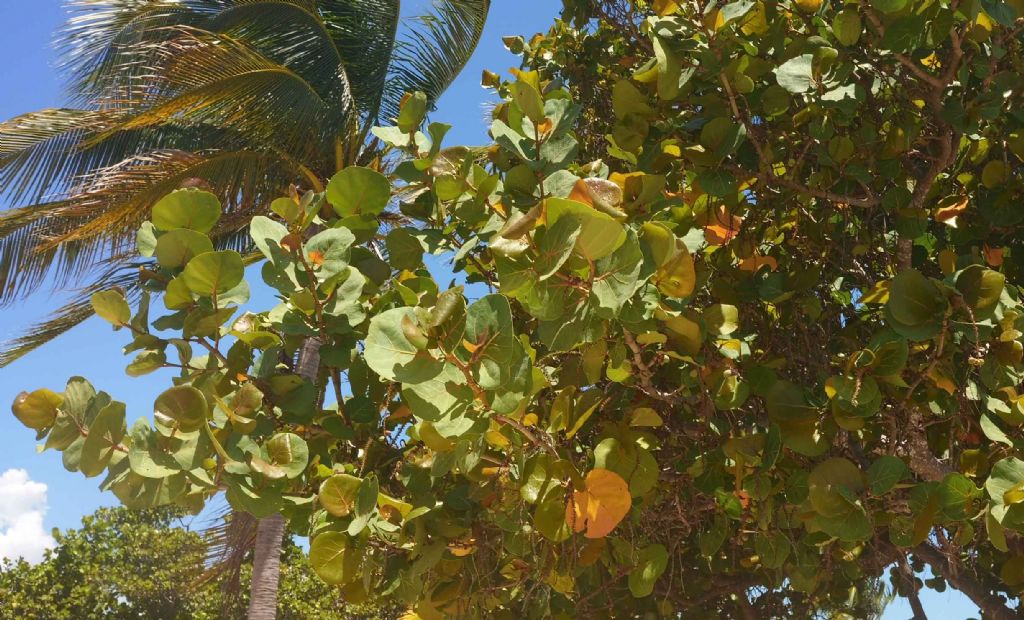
[248,96]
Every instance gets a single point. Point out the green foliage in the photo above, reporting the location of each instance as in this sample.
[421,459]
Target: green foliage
[241,99]
[782,319]
[148,564]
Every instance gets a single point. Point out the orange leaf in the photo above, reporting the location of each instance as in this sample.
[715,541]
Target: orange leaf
[316,257]
[580,193]
[754,263]
[946,214]
[601,506]
[993,256]
[722,226]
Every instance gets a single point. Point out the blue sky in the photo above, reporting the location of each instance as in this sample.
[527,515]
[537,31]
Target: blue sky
[28,82]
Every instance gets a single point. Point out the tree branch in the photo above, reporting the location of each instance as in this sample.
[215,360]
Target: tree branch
[992,605]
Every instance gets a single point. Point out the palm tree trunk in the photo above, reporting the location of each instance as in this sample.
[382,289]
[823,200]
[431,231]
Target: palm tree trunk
[266,566]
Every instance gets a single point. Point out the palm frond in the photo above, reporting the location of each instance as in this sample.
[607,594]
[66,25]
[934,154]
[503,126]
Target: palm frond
[364,34]
[435,49]
[100,41]
[293,34]
[63,240]
[118,272]
[214,79]
[229,539]
[37,150]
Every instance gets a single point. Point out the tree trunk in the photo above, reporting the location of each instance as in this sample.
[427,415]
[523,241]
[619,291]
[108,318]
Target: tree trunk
[266,568]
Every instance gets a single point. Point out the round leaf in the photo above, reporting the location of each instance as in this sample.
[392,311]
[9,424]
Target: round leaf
[332,559]
[601,506]
[187,208]
[214,273]
[177,247]
[185,405]
[37,410]
[338,494]
[289,452]
[651,562]
[358,191]
[112,307]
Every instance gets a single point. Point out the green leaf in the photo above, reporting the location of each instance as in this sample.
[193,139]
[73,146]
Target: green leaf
[176,248]
[889,6]
[885,473]
[651,562]
[146,362]
[183,405]
[390,354]
[555,246]
[915,304]
[37,410]
[796,75]
[332,559]
[773,549]
[328,252]
[489,328]
[105,435]
[405,250]
[599,235]
[358,191]
[366,503]
[529,100]
[289,452]
[187,208]
[980,287]
[412,112]
[338,494]
[825,482]
[267,235]
[847,27]
[214,273]
[112,307]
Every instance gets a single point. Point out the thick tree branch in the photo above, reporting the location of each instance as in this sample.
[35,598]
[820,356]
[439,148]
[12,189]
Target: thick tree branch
[992,605]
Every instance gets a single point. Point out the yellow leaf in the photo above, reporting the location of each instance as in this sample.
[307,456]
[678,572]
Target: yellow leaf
[677,277]
[644,416]
[462,548]
[601,506]
[942,376]
[665,7]
[878,295]
[947,261]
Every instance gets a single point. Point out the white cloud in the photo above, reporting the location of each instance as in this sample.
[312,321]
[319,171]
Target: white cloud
[22,506]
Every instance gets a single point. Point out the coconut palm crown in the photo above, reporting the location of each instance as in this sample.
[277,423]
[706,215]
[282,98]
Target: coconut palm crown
[247,97]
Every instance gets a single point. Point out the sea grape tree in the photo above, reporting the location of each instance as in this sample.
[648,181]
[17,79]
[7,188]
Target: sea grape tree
[765,352]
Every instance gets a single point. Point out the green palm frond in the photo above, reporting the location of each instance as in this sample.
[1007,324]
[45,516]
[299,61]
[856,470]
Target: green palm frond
[434,50]
[63,240]
[217,80]
[38,150]
[249,96]
[99,44]
[117,272]
[293,34]
[364,32]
